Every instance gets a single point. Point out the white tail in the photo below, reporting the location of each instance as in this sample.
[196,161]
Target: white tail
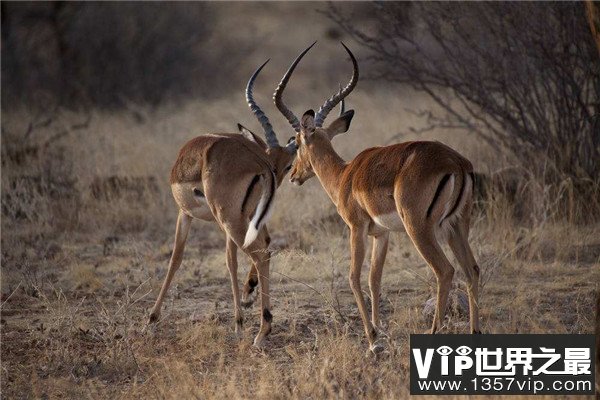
[262,214]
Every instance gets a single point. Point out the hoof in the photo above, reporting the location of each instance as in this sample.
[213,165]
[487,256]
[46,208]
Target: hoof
[376,348]
[239,330]
[476,332]
[259,343]
[260,340]
[247,303]
[154,317]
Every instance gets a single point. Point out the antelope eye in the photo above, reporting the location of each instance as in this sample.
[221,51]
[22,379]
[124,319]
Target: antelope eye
[288,167]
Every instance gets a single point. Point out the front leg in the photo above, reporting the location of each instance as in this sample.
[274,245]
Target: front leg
[378,253]
[358,238]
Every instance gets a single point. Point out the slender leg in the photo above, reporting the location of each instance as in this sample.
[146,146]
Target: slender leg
[426,243]
[252,279]
[358,237]
[380,247]
[260,256]
[249,286]
[181,232]
[459,243]
[232,265]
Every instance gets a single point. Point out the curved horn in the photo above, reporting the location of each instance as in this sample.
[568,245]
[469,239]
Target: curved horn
[260,115]
[277,96]
[336,98]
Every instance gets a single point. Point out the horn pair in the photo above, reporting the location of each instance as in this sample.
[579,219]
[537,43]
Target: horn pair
[289,115]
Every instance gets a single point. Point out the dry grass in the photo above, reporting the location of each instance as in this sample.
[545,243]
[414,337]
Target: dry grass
[79,273]
[84,271]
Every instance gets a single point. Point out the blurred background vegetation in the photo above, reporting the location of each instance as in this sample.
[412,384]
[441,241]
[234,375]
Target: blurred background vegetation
[514,86]
[524,77]
[92,54]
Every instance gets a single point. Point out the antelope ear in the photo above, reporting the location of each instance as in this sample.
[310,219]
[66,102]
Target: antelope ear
[341,124]
[248,134]
[308,123]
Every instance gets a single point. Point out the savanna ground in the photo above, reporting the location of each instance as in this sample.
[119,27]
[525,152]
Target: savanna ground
[87,229]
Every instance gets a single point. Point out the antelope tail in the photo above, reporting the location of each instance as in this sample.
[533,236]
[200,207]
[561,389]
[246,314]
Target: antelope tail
[262,213]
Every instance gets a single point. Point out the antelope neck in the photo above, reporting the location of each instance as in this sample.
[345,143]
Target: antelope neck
[328,166]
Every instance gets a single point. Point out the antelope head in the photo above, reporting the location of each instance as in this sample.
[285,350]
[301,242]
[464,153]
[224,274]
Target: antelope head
[310,131]
[281,157]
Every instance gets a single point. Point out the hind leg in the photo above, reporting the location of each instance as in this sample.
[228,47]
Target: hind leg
[459,243]
[181,232]
[252,279]
[260,256]
[426,243]
[232,266]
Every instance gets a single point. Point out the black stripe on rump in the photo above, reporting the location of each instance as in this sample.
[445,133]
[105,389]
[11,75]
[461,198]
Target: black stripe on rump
[266,209]
[460,196]
[437,193]
[249,191]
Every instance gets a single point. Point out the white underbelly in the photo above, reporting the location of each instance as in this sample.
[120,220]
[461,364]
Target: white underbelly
[391,222]
[192,204]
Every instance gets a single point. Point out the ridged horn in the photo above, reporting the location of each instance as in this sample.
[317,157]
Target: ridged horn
[336,98]
[260,115]
[277,96]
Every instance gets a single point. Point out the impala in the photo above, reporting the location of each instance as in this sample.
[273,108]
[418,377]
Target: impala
[423,188]
[231,179]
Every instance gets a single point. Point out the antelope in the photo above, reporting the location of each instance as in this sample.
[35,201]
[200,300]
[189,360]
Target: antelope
[231,179]
[422,188]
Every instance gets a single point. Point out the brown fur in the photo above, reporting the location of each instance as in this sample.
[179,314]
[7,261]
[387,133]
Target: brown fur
[212,177]
[373,173]
[386,189]
[191,157]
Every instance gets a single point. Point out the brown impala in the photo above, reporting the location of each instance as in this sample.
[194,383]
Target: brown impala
[231,179]
[423,188]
